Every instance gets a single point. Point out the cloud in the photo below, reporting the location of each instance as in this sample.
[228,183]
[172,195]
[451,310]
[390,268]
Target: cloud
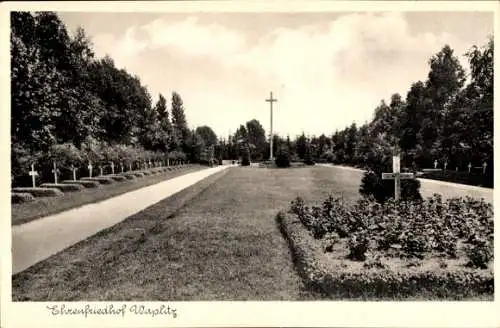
[326,75]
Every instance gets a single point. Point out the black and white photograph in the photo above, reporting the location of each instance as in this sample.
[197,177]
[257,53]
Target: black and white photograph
[163,156]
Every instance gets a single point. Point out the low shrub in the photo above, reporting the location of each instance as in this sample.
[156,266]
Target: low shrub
[84,183]
[102,180]
[358,245]
[480,253]
[245,160]
[39,192]
[17,198]
[64,187]
[373,185]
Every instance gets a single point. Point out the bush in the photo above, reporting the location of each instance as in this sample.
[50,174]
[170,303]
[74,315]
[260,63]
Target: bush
[24,197]
[86,184]
[39,192]
[480,253]
[245,160]
[283,158]
[373,185]
[64,187]
[358,245]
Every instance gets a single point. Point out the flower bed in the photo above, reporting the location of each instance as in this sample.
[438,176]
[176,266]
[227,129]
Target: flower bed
[86,184]
[430,249]
[24,197]
[100,179]
[64,187]
[39,192]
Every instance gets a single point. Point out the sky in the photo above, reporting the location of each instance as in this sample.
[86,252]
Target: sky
[327,70]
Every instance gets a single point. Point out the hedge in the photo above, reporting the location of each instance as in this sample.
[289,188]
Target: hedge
[102,180]
[374,283]
[64,187]
[86,184]
[23,197]
[39,192]
[474,178]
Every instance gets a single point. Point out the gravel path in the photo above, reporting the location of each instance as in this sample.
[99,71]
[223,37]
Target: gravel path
[429,187]
[37,240]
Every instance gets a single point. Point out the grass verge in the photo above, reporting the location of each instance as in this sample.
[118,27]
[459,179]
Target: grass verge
[211,241]
[334,278]
[40,207]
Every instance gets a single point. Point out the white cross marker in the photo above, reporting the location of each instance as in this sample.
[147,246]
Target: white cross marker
[397,176]
[435,164]
[112,168]
[129,166]
[121,166]
[33,175]
[484,167]
[445,165]
[55,171]
[90,169]
[469,166]
[73,168]
[100,170]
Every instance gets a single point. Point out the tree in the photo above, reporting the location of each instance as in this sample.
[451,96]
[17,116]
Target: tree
[207,134]
[301,145]
[179,123]
[165,127]
[256,137]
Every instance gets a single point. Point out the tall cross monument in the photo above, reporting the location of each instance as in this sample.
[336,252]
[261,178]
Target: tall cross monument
[270,101]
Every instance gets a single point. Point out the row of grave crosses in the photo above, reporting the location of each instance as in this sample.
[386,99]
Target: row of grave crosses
[146,165]
[397,176]
[445,165]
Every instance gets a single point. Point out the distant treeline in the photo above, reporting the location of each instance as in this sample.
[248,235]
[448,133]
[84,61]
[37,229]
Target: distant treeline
[448,118]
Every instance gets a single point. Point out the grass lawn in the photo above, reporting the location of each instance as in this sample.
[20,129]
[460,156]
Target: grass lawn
[216,240]
[40,207]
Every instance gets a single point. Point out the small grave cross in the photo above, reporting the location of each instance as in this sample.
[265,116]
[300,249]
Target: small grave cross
[55,170]
[73,168]
[397,176]
[435,164]
[100,170]
[112,168]
[445,165]
[121,166]
[469,166]
[90,169]
[484,167]
[33,175]
[129,166]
